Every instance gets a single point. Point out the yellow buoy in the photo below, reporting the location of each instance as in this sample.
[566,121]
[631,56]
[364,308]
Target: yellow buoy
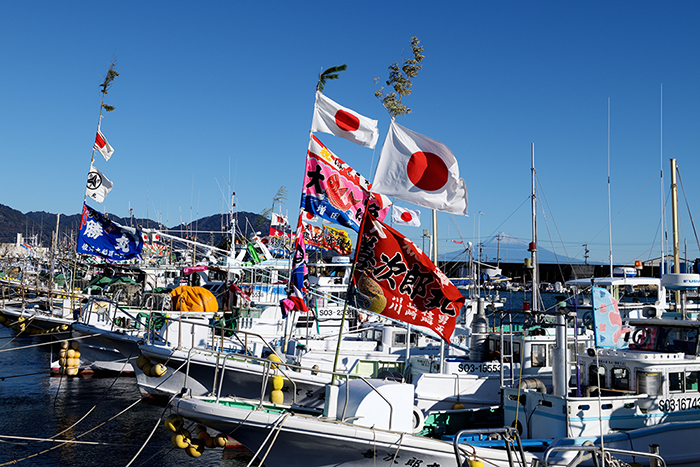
[158,370]
[277,382]
[220,440]
[70,353]
[209,442]
[458,407]
[475,463]
[62,353]
[173,422]
[141,361]
[147,368]
[195,449]
[203,435]
[76,354]
[179,440]
[274,358]
[62,361]
[64,327]
[276,397]
[75,344]
[72,371]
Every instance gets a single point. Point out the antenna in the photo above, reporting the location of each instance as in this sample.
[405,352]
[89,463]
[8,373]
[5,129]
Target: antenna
[609,213]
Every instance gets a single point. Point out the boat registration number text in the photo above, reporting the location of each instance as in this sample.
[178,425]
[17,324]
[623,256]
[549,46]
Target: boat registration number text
[682,403]
[335,313]
[479,367]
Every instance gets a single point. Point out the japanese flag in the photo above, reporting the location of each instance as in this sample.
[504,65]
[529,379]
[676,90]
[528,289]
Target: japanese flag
[103,146]
[330,117]
[405,216]
[420,170]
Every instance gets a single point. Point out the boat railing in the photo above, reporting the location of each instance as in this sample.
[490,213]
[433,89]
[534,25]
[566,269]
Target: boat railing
[601,456]
[270,367]
[511,441]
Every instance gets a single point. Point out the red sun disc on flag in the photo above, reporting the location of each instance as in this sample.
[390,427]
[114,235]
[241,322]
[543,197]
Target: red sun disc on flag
[427,171]
[406,217]
[346,121]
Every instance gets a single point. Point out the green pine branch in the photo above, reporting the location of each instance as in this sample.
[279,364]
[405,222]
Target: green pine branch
[400,80]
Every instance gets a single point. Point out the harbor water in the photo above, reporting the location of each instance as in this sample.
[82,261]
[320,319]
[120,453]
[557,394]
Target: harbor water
[104,418]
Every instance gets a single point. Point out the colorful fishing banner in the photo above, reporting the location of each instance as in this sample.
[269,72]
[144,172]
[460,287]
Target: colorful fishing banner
[335,191]
[607,322]
[100,236]
[394,278]
[336,240]
[326,238]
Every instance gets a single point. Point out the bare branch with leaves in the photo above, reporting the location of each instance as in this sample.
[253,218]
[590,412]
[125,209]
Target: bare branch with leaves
[400,80]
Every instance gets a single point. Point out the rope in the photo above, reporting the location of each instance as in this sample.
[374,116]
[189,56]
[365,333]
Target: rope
[396,454]
[280,422]
[150,435]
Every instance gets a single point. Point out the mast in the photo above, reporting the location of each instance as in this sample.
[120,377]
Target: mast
[533,245]
[674,224]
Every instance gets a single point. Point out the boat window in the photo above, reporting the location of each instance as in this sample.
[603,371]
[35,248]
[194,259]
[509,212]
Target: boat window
[538,355]
[675,382]
[399,338]
[516,353]
[620,379]
[648,383]
[691,381]
[414,339]
[594,373]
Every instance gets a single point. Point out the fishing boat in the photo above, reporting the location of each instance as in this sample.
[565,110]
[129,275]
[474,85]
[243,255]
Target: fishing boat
[365,422]
[651,384]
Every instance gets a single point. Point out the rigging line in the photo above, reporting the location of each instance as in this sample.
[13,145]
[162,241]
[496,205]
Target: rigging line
[50,440]
[688,207]
[150,435]
[64,442]
[104,394]
[3,378]
[544,215]
[527,198]
[623,208]
[44,343]
[279,422]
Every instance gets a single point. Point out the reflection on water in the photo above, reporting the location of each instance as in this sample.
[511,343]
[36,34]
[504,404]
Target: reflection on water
[35,405]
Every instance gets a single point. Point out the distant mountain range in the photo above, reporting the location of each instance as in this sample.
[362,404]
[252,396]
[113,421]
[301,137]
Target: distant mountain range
[209,230]
[508,249]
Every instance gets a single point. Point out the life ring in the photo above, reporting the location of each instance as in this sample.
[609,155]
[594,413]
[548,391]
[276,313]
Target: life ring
[641,336]
[418,419]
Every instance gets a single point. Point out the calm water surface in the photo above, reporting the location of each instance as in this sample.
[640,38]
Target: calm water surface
[34,404]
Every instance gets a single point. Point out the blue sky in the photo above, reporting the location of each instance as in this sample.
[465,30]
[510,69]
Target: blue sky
[218,96]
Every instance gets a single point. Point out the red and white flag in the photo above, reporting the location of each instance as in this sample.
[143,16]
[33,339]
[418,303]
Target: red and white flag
[420,170]
[394,278]
[279,226]
[405,216]
[330,117]
[103,146]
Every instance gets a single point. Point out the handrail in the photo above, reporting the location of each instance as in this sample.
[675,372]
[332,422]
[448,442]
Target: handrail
[595,449]
[509,435]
